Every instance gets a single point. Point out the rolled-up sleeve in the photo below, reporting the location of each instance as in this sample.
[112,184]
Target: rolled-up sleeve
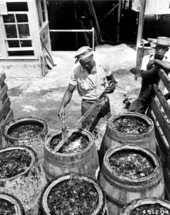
[145,62]
[73,79]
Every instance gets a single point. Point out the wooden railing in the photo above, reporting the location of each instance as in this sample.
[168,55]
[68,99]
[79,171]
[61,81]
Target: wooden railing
[159,111]
[6,113]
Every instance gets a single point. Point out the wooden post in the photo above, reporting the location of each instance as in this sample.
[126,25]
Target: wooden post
[118,20]
[139,48]
[141,23]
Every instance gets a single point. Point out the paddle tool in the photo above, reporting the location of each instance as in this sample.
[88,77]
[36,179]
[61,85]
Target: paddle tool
[78,124]
[64,129]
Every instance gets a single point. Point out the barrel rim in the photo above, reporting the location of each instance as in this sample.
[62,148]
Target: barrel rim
[135,114]
[67,176]
[34,158]
[124,179]
[19,209]
[53,134]
[143,201]
[24,119]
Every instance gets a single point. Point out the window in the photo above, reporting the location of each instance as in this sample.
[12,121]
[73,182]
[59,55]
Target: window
[16,25]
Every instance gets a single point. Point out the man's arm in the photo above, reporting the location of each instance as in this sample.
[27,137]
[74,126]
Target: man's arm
[148,73]
[161,64]
[66,99]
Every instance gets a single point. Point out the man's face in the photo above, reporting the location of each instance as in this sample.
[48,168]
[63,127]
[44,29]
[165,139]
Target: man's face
[87,62]
[160,51]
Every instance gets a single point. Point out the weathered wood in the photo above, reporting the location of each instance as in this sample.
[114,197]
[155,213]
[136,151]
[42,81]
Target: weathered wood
[6,114]
[141,23]
[3,91]
[27,187]
[167,193]
[161,139]
[167,96]
[162,100]
[160,114]
[0,136]
[5,109]
[164,79]
[113,138]
[167,161]
[167,179]
[84,162]
[121,190]
[2,78]
[165,125]
[8,118]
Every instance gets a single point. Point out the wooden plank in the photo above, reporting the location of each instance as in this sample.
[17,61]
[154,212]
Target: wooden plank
[8,118]
[167,194]
[161,139]
[164,79]
[165,126]
[2,78]
[5,109]
[162,100]
[167,179]
[0,137]
[3,91]
[167,161]
[167,96]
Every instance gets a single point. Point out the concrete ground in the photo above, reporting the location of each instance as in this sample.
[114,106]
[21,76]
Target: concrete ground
[40,97]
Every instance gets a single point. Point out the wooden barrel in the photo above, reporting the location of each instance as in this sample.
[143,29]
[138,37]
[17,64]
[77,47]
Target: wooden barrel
[9,204]
[113,137]
[16,133]
[84,162]
[85,193]
[150,206]
[120,188]
[22,176]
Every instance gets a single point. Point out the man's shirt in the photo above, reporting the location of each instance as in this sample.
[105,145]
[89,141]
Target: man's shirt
[89,86]
[147,58]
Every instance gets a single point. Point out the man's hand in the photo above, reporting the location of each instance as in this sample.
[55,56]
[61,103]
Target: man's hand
[151,64]
[61,113]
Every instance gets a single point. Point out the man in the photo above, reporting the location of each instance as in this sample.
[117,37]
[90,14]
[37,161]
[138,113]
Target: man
[149,73]
[90,79]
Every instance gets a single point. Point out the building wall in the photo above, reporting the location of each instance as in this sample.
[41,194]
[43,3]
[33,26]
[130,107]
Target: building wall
[21,63]
[155,26]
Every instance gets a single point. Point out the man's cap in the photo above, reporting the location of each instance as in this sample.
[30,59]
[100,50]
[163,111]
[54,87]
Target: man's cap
[163,41]
[82,52]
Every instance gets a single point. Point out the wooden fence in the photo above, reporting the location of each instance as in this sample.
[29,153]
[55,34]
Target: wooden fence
[6,113]
[159,111]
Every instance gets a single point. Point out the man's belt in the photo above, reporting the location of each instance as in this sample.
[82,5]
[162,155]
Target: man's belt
[94,100]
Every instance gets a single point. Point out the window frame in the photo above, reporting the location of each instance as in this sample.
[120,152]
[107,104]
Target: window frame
[42,22]
[18,38]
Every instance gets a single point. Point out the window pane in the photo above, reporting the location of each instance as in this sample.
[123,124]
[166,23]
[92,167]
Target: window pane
[22,17]
[26,43]
[17,6]
[23,31]
[9,18]
[21,53]
[11,31]
[13,43]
